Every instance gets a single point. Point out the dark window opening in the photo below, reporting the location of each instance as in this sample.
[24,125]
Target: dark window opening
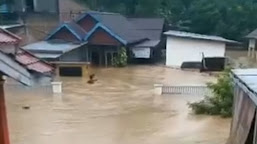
[30,5]
[71,71]
[95,58]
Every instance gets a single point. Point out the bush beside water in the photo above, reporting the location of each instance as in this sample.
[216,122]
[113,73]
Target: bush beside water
[121,59]
[222,100]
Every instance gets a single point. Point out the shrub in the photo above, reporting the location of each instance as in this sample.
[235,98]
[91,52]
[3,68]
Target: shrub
[121,59]
[221,102]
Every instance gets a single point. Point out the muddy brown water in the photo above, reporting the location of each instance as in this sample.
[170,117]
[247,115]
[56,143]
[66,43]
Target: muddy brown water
[119,108]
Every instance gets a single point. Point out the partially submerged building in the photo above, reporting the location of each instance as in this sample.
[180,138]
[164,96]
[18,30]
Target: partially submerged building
[96,38]
[185,47]
[21,66]
[244,123]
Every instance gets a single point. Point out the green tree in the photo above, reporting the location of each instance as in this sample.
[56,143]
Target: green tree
[121,59]
[229,18]
[222,100]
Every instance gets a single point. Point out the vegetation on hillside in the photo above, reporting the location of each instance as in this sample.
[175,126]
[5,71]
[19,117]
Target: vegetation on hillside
[121,59]
[229,18]
[222,100]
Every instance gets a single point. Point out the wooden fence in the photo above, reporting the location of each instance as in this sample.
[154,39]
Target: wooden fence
[187,90]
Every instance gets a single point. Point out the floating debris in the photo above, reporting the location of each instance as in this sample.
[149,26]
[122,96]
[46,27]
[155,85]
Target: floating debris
[26,107]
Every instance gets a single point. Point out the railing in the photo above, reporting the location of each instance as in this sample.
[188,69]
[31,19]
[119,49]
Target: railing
[188,90]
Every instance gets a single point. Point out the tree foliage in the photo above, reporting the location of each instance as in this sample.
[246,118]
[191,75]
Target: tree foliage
[229,18]
[121,59]
[222,100]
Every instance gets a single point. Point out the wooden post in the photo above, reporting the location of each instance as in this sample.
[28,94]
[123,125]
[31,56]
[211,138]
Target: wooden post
[4,133]
[106,58]
[251,48]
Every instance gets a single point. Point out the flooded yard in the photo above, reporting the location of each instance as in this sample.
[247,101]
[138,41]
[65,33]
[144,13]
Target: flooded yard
[120,108]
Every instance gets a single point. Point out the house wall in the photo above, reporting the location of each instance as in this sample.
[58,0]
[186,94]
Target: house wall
[77,55]
[64,34]
[179,50]
[87,23]
[101,37]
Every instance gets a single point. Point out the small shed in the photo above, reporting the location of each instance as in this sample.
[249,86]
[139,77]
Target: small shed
[184,47]
[244,122]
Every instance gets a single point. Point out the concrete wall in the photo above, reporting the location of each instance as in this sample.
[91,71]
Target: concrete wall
[181,50]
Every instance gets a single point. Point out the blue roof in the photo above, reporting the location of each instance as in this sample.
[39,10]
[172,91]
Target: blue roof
[118,25]
[75,29]
[98,26]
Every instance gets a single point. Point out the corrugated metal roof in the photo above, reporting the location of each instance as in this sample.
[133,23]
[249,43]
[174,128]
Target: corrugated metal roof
[74,28]
[118,25]
[247,80]
[253,34]
[11,26]
[46,55]
[77,29]
[48,46]
[148,23]
[197,36]
[148,43]
[151,27]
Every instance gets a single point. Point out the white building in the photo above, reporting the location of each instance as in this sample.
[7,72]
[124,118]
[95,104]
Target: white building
[190,47]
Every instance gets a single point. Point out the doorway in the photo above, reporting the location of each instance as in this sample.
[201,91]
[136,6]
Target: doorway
[95,58]
[30,5]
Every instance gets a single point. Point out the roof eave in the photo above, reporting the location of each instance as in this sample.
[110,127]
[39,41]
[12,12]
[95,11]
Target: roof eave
[99,25]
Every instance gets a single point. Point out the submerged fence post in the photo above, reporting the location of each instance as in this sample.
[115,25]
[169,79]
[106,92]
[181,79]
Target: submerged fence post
[158,89]
[57,87]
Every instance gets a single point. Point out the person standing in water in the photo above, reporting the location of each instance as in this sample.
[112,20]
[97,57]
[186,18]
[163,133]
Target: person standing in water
[92,79]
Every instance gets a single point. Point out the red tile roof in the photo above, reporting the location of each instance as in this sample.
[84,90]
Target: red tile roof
[33,63]
[23,57]
[7,38]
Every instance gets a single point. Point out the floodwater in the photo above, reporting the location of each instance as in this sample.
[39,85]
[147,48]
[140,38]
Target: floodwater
[120,108]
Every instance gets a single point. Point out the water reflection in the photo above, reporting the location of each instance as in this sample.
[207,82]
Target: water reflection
[119,108]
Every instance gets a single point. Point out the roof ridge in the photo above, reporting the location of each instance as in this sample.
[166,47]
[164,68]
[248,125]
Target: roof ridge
[104,13]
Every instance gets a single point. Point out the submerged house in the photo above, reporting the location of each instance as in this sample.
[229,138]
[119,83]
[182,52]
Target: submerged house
[184,48]
[244,122]
[96,38]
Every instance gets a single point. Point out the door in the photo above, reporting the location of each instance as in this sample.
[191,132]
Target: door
[30,5]
[95,58]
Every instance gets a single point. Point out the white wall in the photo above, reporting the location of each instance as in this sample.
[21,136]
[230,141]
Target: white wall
[181,50]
